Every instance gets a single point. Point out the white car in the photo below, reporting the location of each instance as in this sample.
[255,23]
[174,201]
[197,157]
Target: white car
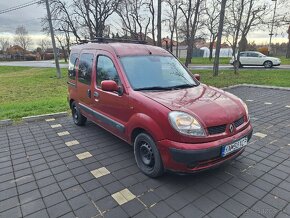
[253,58]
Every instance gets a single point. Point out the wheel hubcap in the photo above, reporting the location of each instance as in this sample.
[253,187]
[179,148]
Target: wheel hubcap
[75,114]
[146,154]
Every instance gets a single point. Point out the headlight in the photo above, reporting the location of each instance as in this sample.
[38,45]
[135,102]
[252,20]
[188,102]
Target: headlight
[185,124]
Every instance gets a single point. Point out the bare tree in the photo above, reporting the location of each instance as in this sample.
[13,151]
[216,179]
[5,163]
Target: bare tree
[82,18]
[4,44]
[151,8]
[212,10]
[243,16]
[172,18]
[44,45]
[134,16]
[219,38]
[22,38]
[191,14]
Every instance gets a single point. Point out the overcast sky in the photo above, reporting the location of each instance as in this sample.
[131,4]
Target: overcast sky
[31,16]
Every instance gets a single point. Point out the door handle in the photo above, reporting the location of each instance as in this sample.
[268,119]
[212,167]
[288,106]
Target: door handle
[89,93]
[96,94]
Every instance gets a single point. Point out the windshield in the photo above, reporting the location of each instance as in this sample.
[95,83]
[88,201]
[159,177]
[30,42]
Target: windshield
[156,73]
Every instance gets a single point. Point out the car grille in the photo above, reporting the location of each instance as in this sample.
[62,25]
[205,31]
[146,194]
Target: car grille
[216,129]
[239,122]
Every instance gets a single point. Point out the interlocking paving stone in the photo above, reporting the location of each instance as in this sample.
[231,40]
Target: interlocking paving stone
[40,173]
[63,133]
[261,135]
[50,120]
[56,126]
[100,172]
[71,143]
[84,155]
[123,196]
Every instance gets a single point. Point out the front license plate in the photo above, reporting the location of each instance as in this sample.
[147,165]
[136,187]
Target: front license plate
[227,149]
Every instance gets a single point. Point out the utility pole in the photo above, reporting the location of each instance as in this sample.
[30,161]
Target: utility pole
[159,24]
[272,28]
[58,72]
[219,38]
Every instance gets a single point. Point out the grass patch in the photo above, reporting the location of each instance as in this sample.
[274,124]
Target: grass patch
[257,77]
[26,91]
[206,61]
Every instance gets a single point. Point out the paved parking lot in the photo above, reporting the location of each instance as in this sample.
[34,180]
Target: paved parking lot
[53,168]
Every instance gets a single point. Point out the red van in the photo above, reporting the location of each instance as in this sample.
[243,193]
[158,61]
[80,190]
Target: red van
[146,97]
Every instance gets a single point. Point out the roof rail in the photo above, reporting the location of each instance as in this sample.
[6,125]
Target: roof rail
[107,40]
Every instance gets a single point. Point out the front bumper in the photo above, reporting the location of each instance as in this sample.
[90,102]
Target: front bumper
[184,157]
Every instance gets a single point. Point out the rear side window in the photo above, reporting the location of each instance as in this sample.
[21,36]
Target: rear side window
[85,68]
[243,54]
[253,55]
[72,66]
[106,70]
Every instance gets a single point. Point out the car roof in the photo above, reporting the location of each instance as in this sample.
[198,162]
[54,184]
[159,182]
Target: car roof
[122,49]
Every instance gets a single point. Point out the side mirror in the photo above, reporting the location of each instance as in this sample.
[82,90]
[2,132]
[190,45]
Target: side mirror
[109,86]
[197,76]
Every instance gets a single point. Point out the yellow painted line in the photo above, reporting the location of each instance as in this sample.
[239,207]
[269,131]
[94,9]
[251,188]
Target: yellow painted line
[71,143]
[261,135]
[49,120]
[56,126]
[84,155]
[100,172]
[123,196]
[63,133]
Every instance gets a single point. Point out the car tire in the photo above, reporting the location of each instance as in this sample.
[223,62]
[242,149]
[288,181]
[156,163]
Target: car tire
[147,156]
[268,64]
[78,118]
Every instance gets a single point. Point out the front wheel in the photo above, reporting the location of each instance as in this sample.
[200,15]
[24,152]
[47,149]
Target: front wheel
[78,118]
[268,64]
[147,156]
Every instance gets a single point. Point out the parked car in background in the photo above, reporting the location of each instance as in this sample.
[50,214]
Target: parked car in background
[145,96]
[253,58]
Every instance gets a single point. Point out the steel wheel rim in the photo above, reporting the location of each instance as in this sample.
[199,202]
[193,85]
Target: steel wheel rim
[146,154]
[75,113]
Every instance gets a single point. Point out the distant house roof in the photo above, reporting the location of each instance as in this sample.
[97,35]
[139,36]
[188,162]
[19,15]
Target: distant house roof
[15,49]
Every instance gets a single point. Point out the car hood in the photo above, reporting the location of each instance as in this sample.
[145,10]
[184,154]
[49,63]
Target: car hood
[209,105]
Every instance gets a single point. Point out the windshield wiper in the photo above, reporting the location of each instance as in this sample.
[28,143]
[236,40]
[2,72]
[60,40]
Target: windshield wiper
[154,88]
[183,86]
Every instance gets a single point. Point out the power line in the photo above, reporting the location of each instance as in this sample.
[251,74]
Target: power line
[20,6]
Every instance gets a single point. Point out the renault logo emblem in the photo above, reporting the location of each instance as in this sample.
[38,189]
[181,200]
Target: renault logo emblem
[231,128]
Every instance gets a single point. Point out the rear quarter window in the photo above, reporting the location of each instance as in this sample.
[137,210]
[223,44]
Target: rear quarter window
[72,66]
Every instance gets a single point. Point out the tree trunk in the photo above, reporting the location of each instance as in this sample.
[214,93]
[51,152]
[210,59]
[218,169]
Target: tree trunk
[288,50]
[176,37]
[192,35]
[159,24]
[211,50]
[219,38]
[243,44]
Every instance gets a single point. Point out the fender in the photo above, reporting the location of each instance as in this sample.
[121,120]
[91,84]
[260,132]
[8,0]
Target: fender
[145,122]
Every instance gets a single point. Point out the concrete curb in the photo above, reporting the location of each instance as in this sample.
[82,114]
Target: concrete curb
[44,116]
[257,86]
[7,122]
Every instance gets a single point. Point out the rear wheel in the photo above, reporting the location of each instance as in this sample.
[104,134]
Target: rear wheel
[268,64]
[147,156]
[78,118]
